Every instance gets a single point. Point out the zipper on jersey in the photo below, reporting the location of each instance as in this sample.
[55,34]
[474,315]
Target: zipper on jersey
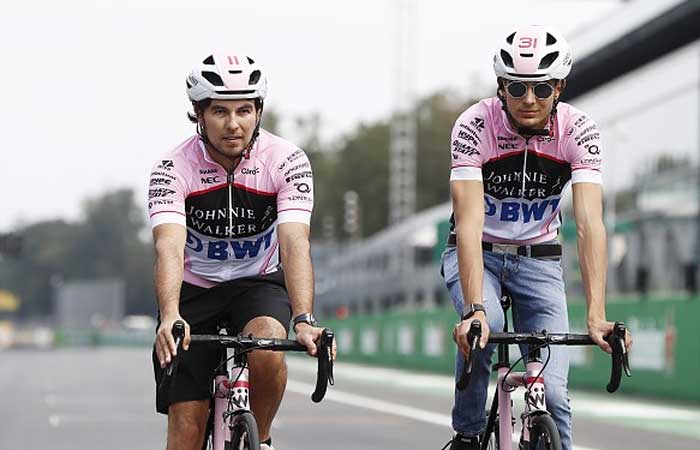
[527,144]
[229,179]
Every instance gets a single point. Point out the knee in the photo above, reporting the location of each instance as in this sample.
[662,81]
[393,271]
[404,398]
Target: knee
[266,364]
[265,327]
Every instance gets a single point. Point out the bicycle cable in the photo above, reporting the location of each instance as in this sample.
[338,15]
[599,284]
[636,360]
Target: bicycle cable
[213,375]
[510,388]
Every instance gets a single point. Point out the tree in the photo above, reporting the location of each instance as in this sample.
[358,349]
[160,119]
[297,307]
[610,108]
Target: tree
[105,244]
[360,163]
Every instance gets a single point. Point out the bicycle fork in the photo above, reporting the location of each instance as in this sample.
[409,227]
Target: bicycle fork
[231,394]
[535,403]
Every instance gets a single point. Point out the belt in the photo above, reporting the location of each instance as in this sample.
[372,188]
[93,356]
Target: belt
[531,251]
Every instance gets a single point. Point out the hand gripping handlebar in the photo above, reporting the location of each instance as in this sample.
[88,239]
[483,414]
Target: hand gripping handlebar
[324,352]
[616,339]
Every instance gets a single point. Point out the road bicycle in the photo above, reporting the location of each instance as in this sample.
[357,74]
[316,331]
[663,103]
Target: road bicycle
[231,424]
[538,432]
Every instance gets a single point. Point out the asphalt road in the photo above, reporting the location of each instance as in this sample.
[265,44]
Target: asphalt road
[104,398]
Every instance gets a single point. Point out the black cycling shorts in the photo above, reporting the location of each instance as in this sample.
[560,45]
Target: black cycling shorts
[234,302]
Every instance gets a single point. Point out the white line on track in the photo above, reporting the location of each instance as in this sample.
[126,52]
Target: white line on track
[381,406]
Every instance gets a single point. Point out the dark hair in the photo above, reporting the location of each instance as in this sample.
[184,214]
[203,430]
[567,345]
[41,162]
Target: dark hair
[201,106]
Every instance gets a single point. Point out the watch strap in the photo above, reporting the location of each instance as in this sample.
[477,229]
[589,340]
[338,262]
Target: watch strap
[304,318]
[471,308]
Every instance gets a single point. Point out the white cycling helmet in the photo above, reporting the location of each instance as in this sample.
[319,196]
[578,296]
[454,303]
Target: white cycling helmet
[226,77]
[533,53]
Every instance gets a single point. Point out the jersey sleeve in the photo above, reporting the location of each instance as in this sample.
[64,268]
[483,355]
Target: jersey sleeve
[468,144]
[584,150]
[166,193]
[294,180]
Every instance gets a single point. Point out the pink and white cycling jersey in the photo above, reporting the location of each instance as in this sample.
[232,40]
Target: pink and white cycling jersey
[231,218]
[523,178]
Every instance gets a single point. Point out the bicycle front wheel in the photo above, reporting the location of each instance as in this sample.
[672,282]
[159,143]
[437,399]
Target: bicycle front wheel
[244,433]
[544,434]
[493,443]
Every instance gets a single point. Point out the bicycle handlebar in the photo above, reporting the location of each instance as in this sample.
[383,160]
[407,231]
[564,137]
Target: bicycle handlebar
[616,340]
[324,352]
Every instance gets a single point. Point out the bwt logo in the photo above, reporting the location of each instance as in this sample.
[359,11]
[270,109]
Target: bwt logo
[520,211]
[224,250]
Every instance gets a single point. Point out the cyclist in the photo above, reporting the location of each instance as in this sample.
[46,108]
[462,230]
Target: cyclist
[513,155]
[230,209]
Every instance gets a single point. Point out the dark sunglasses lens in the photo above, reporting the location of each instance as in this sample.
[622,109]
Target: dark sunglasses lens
[517,89]
[543,90]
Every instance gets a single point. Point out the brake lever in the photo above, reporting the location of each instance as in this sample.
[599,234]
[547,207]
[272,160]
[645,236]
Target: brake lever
[179,334]
[324,375]
[327,339]
[620,360]
[620,331]
[473,338]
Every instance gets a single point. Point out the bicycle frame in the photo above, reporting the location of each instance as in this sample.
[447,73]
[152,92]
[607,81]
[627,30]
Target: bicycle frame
[534,402]
[231,396]
[507,381]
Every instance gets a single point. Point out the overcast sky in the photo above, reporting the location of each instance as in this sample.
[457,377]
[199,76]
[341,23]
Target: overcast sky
[93,91]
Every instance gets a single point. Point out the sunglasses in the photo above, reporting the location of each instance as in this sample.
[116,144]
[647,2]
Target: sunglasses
[518,89]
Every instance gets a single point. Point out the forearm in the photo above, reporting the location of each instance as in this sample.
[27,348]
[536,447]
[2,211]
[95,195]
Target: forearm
[168,273]
[298,275]
[593,260]
[470,260]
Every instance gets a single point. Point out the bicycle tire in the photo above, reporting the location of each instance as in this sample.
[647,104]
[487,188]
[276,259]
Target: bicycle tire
[544,434]
[493,443]
[244,433]
[208,443]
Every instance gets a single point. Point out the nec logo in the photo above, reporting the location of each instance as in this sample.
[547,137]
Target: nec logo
[507,146]
[247,171]
[209,180]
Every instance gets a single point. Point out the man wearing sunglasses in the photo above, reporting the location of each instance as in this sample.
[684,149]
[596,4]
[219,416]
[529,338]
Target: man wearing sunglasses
[513,155]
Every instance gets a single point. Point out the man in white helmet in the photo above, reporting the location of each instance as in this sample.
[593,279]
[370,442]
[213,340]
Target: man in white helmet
[513,155]
[230,208]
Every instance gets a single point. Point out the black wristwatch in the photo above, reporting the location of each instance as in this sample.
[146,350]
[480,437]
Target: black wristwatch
[471,308]
[304,318]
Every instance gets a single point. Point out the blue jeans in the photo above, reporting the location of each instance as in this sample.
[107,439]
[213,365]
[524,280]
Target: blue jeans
[536,287]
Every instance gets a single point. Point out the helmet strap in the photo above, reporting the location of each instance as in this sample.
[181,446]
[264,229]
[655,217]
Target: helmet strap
[202,132]
[256,133]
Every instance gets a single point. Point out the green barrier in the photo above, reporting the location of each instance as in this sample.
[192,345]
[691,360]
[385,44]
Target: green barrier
[665,359]
[399,339]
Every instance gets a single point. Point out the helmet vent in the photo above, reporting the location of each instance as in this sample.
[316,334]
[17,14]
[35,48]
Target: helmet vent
[213,78]
[189,86]
[250,60]
[548,60]
[551,40]
[245,92]
[254,77]
[527,55]
[510,38]
[235,72]
[209,61]
[507,60]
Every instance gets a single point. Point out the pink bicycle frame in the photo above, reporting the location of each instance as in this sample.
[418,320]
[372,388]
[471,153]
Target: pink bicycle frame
[534,400]
[233,388]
